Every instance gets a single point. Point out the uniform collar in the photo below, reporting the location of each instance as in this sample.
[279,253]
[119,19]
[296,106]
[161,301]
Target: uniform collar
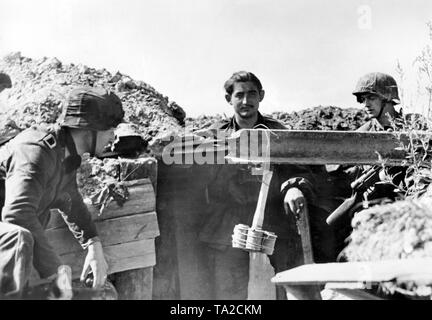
[234,125]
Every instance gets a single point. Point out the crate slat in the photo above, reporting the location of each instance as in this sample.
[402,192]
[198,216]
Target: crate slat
[111,231]
[120,257]
[141,199]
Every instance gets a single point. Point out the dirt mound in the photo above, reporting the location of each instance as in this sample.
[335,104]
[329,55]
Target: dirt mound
[323,118]
[400,230]
[39,86]
[317,118]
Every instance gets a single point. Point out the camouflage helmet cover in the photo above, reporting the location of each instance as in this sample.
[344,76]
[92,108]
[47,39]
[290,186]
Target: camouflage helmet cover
[91,108]
[380,84]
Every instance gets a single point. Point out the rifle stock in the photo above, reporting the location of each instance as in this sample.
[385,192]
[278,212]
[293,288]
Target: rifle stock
[342,209]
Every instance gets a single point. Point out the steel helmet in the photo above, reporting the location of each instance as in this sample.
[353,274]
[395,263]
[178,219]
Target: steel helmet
[91,108]
[380,84]
[5,80]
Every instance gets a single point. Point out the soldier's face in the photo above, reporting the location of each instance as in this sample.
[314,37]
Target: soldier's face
[372,104]
[245,99]
[103,139]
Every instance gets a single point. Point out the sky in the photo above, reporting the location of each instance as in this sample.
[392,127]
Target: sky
[306,53]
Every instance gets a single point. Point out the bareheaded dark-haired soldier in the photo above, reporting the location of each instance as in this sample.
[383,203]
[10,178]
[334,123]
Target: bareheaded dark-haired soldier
[233,193]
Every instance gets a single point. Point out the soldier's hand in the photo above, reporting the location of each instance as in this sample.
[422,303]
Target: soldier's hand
[294,201]
[95,262]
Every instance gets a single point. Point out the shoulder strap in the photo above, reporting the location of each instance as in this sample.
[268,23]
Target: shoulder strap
[73,160]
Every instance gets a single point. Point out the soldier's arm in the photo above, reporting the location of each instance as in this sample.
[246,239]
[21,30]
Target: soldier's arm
[297,189]
[300,177]
[80,222]
[292,176]
[77,217]
[27,177]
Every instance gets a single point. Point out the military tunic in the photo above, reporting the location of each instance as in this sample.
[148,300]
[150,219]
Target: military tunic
[33,180]
[233,193]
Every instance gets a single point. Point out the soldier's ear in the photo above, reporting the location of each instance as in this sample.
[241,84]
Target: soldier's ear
[228,98]
[262,93]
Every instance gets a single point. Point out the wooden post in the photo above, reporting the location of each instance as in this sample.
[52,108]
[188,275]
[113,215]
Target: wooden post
[260,287]
[303,227]
[261,271]
[309,292]
[262,199]
[137,284]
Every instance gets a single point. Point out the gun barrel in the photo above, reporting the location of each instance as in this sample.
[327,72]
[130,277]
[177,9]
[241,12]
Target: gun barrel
[364,177]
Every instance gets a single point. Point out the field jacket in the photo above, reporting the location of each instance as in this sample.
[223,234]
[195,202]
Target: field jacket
[33,180]
[233,193]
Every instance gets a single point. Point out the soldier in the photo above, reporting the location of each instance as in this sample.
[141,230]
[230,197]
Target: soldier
[233,193]
[38,173]
[378,92]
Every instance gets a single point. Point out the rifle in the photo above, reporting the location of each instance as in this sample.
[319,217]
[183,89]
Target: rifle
[359,186]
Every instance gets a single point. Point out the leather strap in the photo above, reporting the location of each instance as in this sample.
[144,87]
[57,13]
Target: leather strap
[73,160]
[94,139]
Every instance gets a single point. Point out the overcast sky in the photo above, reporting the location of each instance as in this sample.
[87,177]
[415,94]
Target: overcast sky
[306,53]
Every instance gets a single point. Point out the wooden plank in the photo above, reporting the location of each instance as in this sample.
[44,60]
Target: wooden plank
[257,285]
[120,257]
[134,284]
[141,199]
[132,169]
[112,231]
[299,292]
[358,294]
[303,227]
[352,272]
[260,273]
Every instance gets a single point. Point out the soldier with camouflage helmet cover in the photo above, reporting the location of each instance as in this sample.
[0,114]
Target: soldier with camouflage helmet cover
[38,173]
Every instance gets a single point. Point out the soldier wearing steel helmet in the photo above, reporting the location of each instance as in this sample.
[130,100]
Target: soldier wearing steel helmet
[38,173]
[378,92]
